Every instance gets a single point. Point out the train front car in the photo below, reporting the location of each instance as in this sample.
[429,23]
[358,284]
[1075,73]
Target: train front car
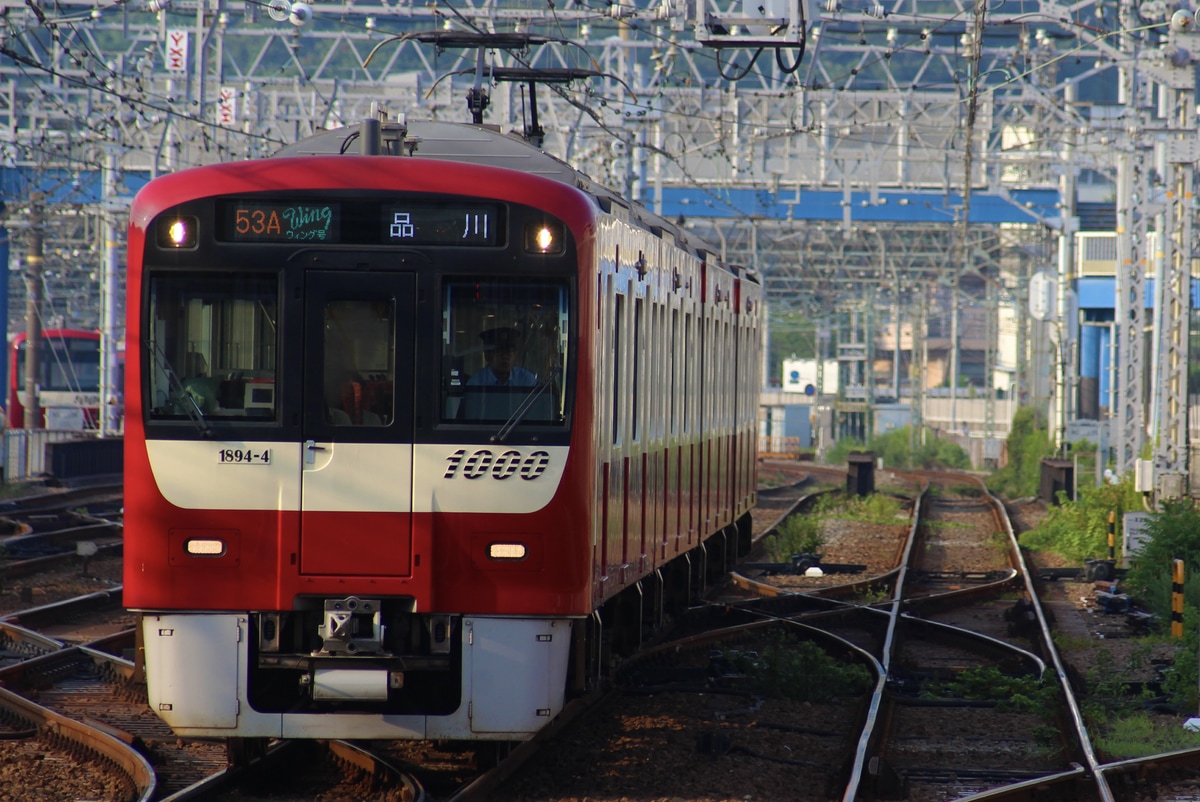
[417,444]
[68,387]
[350,507]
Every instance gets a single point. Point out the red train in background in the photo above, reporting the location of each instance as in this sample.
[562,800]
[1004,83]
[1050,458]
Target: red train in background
[422,429]
[69,385]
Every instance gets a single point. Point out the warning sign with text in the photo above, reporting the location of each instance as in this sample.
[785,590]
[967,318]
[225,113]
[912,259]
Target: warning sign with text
[177,46]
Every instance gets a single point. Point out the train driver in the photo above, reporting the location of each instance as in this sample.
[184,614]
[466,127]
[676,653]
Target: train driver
[500,353]
[203,388]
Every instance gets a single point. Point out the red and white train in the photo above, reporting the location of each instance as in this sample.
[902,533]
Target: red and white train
[69,384]
[419,437]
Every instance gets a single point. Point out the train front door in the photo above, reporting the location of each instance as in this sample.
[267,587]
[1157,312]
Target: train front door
[356,479]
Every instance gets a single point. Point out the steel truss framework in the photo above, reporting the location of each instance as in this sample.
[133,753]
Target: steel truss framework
[877,104]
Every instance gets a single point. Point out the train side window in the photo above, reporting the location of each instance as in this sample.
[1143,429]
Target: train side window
[662,363]
[673,376]
[617,365]
[689,365]
[504,351]
[211,342]
[635,370]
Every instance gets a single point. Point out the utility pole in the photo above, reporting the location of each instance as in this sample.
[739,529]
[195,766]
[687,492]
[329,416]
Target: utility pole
[1175,70]
[954,353]
[918,360]
[1133,190]
[991,310]
[1066,367]
[973,51]
[109,392]
[35,262]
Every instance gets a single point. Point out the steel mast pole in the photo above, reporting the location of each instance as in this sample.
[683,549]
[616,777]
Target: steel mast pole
[110,393]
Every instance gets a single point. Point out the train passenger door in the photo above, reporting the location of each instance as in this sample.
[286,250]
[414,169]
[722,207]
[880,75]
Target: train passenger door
[357,429]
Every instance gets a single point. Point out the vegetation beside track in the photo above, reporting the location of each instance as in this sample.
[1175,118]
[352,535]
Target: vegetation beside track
[1078,530]
[801,534]
[1117,705]
[793,668]
[1028,443]
[897,451]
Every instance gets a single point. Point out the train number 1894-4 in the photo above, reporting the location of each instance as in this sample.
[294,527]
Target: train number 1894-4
[244,456]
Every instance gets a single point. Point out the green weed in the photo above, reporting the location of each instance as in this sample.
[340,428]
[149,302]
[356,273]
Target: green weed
[1026,694]
[797,534]
[791,668]
[1138,734]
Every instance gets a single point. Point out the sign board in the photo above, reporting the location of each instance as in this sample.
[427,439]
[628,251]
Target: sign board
[1094,431]
[227,106]
[177,51]
[1043,295]
[65,418]
[1134,536]
[800,376]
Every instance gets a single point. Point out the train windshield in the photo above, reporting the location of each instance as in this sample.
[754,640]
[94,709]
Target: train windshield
[68,365]
[504,351]
[211,343]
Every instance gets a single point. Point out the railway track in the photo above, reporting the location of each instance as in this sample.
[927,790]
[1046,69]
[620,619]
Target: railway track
[937,615]
[941,611]
[301,771]
[75,660]
[943,738]
[99,693]
[84,496]
[74,702]
[43,749]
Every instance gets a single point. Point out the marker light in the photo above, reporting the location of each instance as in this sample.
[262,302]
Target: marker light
[178,233]
[544,238]
[204,547]
[506,551]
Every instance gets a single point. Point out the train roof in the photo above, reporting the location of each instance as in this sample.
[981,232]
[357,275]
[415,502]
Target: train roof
[486,145]
[431,139]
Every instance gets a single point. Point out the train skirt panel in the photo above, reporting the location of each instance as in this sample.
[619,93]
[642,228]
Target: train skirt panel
[509,683]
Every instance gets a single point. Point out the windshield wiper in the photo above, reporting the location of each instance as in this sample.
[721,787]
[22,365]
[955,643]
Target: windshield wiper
[523,408]
[188,402]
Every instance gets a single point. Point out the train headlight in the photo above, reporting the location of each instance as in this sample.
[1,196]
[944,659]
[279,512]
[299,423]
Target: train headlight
[544,238]
[508,552]
[178,233]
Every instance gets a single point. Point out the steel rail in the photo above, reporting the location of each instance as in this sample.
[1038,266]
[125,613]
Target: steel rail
[60,729]
[901,620]
[90,602]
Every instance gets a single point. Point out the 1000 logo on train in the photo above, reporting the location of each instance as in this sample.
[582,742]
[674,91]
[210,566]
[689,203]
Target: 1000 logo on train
[498,466]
